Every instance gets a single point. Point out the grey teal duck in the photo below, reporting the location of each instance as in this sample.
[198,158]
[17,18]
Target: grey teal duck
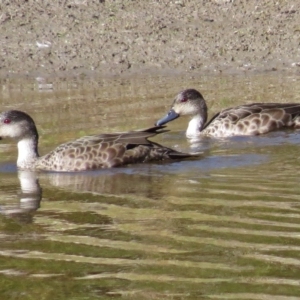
[249,119]
[85,153]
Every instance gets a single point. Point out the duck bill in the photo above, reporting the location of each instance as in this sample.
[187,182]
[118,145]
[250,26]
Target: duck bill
[171,115]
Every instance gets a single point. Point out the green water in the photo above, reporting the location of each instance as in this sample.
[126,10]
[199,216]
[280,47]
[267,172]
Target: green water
[225,226]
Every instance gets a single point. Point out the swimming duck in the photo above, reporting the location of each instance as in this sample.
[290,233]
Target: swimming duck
[249,119]
[89,152]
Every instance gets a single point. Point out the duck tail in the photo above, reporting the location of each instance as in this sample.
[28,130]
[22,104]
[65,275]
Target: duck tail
[173,154]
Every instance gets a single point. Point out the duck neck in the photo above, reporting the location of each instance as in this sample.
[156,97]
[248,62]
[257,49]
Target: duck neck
[27,152]
[195,126]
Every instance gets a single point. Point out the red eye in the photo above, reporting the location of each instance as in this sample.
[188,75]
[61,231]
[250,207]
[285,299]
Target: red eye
[183,100]
[6,121]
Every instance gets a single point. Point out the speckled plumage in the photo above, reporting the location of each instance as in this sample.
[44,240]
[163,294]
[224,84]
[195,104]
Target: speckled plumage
[85,153]
[249,119]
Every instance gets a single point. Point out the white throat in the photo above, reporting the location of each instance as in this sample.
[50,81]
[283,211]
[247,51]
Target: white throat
[27,153]
[194,127]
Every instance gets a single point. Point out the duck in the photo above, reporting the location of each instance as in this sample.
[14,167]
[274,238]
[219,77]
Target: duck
[243,120]
[86,153]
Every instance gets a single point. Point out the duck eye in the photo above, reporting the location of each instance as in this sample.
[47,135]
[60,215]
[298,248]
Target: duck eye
[183,99]
[6,121]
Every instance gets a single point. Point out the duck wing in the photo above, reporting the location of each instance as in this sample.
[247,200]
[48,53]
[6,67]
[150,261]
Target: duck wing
[285,112]
[108,150]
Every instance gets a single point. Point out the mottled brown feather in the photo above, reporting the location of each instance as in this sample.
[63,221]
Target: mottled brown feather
[256,118]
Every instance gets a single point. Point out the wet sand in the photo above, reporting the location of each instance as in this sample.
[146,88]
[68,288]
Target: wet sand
[72,38]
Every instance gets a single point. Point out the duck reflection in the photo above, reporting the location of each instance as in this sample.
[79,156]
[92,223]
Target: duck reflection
[28,201]
[121,181]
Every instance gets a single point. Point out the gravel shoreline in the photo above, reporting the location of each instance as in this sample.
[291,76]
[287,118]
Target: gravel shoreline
[80,37]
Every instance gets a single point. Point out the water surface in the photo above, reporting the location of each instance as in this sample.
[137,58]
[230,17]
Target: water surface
[224,226]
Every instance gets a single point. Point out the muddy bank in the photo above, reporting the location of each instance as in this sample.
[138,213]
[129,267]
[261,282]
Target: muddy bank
[76,37]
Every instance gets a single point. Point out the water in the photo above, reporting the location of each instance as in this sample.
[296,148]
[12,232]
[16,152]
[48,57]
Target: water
[225,226]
